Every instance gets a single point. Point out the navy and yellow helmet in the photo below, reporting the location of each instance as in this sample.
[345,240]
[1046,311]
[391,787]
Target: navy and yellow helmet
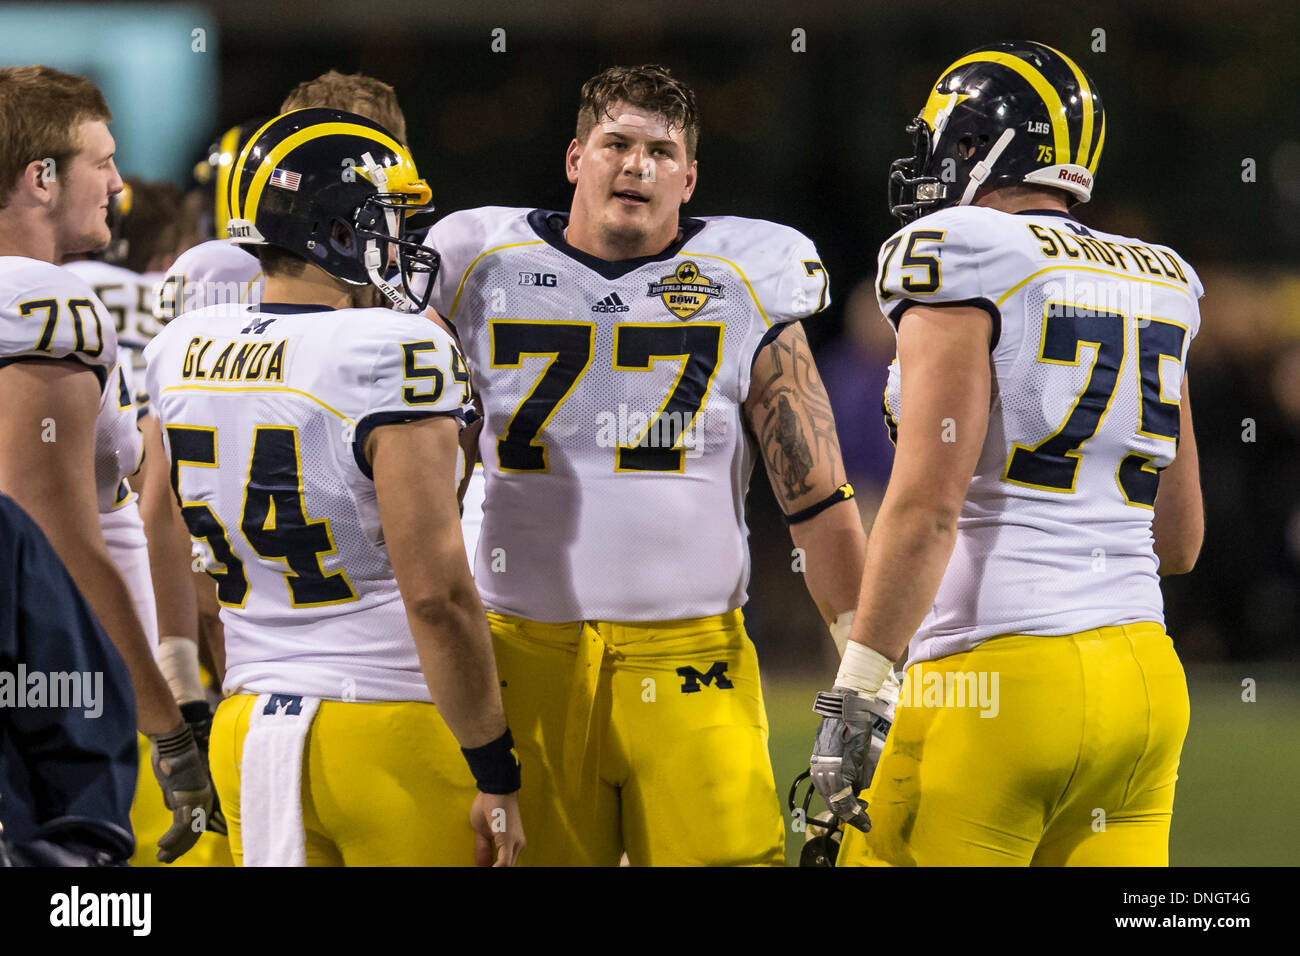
[334,189]
[1006,113]
[212,174]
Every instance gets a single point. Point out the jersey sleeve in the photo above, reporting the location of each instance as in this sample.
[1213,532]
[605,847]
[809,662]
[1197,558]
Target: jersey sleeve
[800,285]
[54,314]
[417,373]
[934,261]
[458,239]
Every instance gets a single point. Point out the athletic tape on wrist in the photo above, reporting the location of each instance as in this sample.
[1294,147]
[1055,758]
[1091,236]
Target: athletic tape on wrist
[178,659]
[864,670]
[840,628]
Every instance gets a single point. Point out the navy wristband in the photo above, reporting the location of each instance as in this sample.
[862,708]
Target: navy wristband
[494,765]
[843,493]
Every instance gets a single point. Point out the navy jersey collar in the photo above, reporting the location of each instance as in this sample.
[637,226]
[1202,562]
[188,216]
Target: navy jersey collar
[550,226]
[289,308]
[1045,212]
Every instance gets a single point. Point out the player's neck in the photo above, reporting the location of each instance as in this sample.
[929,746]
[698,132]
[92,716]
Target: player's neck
[310,287]
[585,236]
[1019,198]
[28,235]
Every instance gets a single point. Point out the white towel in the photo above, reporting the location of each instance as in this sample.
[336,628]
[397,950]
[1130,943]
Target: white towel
[270,789]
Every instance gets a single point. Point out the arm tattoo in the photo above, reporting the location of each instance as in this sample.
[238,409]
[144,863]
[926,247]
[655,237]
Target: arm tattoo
[793,420]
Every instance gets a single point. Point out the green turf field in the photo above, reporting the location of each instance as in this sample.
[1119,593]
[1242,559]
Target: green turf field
[1238,797]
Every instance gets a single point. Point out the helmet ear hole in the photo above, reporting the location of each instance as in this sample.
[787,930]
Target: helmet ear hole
[342,237]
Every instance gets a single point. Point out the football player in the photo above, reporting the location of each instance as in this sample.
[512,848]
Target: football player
[217,271]
[313,443]
[1038,398]
[144,532]
[631,363]
[70,426]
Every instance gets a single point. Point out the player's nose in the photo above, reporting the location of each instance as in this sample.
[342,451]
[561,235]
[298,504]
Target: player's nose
[115,184]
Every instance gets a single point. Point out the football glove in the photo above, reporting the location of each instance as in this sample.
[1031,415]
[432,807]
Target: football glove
[848,746]
[199,716]
[183,775]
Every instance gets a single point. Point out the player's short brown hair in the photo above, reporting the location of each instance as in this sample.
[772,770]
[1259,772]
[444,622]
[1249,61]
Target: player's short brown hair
[355,93]
[40,111]
[152,227]
[650,87]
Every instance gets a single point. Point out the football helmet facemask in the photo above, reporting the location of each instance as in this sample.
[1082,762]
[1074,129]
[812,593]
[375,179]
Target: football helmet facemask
[335,189]
[1007,113]
[820,848]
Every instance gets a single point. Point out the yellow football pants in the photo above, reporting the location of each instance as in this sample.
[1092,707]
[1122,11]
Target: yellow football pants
[1075,766]
[649,738]
[383,784]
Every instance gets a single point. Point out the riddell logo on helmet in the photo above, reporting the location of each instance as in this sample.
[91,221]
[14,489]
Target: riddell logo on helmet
[1081,178]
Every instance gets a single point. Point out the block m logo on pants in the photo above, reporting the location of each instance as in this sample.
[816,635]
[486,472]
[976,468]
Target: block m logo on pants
[691,678]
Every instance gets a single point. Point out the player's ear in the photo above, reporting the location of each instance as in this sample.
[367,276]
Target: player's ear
[38,180]
[692,177]
[572,161]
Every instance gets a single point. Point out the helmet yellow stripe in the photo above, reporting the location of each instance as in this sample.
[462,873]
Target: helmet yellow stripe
[1085,138]
[1101,139]
[1045,90]
[237,176]
[306,135]
[225,147]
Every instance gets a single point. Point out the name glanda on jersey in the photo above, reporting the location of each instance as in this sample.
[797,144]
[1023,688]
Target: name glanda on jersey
[236,362]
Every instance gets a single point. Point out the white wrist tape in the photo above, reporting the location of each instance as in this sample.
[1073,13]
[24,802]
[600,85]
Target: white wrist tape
[840,628]
[178,659]
[864,670]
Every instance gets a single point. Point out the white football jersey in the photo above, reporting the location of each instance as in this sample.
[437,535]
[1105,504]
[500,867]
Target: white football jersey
[265,414]
[212,273]
[48,312]
[129,297]
[1090,338]
[615,456]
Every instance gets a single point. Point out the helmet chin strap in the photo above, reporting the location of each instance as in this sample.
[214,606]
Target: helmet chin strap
[373,260]
[981,170]
[373,257]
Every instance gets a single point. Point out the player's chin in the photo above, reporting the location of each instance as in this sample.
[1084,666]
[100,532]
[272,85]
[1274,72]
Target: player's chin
[94,239]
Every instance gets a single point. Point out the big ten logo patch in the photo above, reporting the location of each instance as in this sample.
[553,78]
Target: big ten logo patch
[715,676]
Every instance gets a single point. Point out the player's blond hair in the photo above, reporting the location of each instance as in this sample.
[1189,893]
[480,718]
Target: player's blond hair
[650,87]
[355,93]
[40,111]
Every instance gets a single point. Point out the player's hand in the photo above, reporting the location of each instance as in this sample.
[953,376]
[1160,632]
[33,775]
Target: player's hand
[186,787]
[498,832]
[198,715]
[848,746]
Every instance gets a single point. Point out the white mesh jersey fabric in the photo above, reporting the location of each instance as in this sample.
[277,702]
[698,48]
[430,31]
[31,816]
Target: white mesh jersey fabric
[1087,320]
[123,531]
[215,272]
[572,358]
[333,625]
[47,311]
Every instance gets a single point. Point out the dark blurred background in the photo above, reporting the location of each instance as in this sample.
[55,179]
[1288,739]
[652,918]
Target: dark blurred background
[1202,153]
[805,138]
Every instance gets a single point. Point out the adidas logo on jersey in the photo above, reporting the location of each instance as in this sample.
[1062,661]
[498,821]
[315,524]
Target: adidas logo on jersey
[611,303]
